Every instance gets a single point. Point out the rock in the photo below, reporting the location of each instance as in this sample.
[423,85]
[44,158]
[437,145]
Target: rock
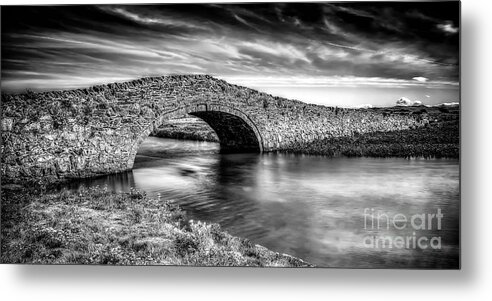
[7,124]
[11,187]
[63,164]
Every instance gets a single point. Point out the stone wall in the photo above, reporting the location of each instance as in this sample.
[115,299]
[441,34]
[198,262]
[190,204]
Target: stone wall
[88,132]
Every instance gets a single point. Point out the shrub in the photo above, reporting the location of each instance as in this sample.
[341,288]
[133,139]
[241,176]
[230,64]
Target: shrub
[185,244]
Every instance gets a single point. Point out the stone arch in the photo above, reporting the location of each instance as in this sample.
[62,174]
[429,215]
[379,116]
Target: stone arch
[235,129]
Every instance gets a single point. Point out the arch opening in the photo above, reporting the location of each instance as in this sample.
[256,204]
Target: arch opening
[235,135]
[236,132]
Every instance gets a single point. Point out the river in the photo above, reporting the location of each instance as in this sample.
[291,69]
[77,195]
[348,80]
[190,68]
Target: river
[323,210]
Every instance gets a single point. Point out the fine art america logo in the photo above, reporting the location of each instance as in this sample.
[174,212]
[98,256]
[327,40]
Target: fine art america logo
[379,222]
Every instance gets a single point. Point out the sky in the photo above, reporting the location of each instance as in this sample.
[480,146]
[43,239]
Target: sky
[344,54]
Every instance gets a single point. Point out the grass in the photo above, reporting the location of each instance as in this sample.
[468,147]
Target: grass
[97,226]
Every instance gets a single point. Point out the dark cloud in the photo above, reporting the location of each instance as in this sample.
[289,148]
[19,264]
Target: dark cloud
[55,47]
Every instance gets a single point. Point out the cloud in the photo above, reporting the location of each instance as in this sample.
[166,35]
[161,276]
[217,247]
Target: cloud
[405,102]
[363,106]
[159,20]
[445,104]
[448,27]
[449,104]
[277,44]
[333,81]
[420,79]
[287,51]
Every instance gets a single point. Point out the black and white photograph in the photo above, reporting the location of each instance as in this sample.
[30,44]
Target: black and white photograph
[267,134]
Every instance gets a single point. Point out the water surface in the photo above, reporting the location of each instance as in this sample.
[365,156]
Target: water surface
[312,207]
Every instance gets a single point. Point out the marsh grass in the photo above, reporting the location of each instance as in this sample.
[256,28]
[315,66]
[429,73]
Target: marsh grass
[97,226]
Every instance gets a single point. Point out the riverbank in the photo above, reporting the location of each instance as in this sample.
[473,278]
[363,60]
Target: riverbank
[186,129]
[96,226]
[439,138]
[436,141]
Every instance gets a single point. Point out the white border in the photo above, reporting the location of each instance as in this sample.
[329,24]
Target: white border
[473,282]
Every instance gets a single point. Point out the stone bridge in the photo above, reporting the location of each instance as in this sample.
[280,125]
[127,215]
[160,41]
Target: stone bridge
[98,130]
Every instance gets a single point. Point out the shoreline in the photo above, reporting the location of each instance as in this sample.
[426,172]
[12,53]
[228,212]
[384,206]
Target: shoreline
[96,226]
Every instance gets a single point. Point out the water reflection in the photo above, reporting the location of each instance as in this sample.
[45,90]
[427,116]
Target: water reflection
[306,206]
